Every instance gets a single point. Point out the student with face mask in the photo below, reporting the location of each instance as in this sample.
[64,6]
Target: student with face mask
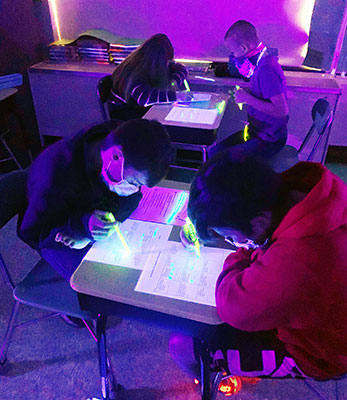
[282,295]
[265,99]
[76,184]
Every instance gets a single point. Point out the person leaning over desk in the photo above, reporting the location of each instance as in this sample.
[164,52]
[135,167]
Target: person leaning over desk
[80,187]
[266,98]
[147,76]
[282,294]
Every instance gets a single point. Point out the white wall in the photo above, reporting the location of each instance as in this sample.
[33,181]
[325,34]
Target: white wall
[195,27]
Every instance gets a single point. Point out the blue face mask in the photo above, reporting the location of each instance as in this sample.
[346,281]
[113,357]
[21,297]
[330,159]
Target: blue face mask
[247,64]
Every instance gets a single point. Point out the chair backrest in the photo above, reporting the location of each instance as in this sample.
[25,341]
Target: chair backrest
[322,116]
[103,92]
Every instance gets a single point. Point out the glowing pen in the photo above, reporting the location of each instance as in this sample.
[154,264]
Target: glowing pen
[110,217]
[186,85]
[190,232]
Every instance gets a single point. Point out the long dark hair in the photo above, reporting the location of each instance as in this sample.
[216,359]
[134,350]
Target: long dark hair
[149,63]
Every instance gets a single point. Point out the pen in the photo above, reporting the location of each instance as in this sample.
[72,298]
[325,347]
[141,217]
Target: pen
[110,217]
[186,85]
[190,232]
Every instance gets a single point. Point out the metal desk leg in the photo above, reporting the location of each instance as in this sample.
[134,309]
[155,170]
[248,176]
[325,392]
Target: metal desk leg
[108,383]
[205,371]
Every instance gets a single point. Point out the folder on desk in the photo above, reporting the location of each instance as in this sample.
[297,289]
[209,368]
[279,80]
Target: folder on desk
[192,115]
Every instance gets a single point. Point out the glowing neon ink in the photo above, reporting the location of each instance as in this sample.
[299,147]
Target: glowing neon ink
[177,207]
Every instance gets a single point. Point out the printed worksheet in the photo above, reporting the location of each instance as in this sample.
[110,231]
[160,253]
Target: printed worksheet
[163,205]
[142,239]
[178,273]
[192,115]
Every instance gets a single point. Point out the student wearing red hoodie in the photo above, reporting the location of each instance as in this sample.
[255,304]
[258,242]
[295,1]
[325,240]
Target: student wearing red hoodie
[282,295]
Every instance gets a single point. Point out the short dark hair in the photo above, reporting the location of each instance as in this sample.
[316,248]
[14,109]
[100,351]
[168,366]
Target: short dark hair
[243,32]
[146,147]
[230,192]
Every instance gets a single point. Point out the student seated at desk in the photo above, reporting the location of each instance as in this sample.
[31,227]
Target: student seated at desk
[148,76]
[265,99]
[282,294]
[75,184]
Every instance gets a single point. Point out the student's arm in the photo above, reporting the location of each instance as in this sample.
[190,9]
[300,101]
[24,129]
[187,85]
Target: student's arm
[276,106]
[257,295]
[145,95]
[271,85]
[177,73]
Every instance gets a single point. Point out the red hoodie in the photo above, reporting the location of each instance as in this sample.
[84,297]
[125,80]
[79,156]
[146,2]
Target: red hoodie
[298,284]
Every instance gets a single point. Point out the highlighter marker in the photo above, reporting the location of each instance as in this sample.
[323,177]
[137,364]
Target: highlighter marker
[110,217]
[190,232]
[186,85]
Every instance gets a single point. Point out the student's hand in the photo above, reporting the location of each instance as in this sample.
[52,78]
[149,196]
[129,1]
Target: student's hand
[101,224]
[70,242]
[241,96]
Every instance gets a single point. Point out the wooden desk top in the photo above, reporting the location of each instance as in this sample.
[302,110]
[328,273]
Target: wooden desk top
[118,284]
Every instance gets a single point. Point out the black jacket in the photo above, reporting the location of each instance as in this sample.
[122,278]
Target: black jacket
[64,188]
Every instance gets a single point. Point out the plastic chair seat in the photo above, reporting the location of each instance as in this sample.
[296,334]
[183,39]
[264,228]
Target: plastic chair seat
[44,288]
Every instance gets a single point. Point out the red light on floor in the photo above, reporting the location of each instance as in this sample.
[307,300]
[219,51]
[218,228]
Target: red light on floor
[230,385]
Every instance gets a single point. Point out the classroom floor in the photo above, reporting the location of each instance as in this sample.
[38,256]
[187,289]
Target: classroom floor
[53,361]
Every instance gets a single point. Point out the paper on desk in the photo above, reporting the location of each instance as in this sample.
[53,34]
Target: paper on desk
[164,205]
[143,238]
[179,274]
[192,115]
[201,97]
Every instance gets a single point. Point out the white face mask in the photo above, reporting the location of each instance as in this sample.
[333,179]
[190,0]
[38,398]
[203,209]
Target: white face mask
[112,172]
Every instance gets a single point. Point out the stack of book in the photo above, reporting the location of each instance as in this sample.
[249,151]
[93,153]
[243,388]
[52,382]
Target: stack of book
[93,54]
[119,52]
[59,51]
[11,80]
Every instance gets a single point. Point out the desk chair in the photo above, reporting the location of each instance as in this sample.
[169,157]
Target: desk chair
[42,287]
[322,116]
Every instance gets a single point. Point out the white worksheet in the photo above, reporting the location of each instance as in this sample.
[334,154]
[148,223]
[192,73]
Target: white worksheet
[201,97]
[163,205]
[142,238]
[180,274]
[192,115]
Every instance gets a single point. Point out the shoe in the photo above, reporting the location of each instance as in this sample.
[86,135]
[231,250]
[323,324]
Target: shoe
[230,385]
[72,321]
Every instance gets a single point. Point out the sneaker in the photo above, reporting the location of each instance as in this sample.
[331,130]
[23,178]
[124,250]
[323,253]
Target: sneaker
[72,321]
[230,385]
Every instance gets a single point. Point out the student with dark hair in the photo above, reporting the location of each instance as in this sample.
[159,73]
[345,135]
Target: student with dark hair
[147,76]
[75,183]
[282,294]
[265,98]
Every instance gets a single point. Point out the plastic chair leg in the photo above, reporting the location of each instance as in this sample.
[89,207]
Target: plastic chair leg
[11,153]
[8,336]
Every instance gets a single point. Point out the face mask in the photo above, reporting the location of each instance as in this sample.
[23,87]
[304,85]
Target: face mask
[247,64]
[112,173]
